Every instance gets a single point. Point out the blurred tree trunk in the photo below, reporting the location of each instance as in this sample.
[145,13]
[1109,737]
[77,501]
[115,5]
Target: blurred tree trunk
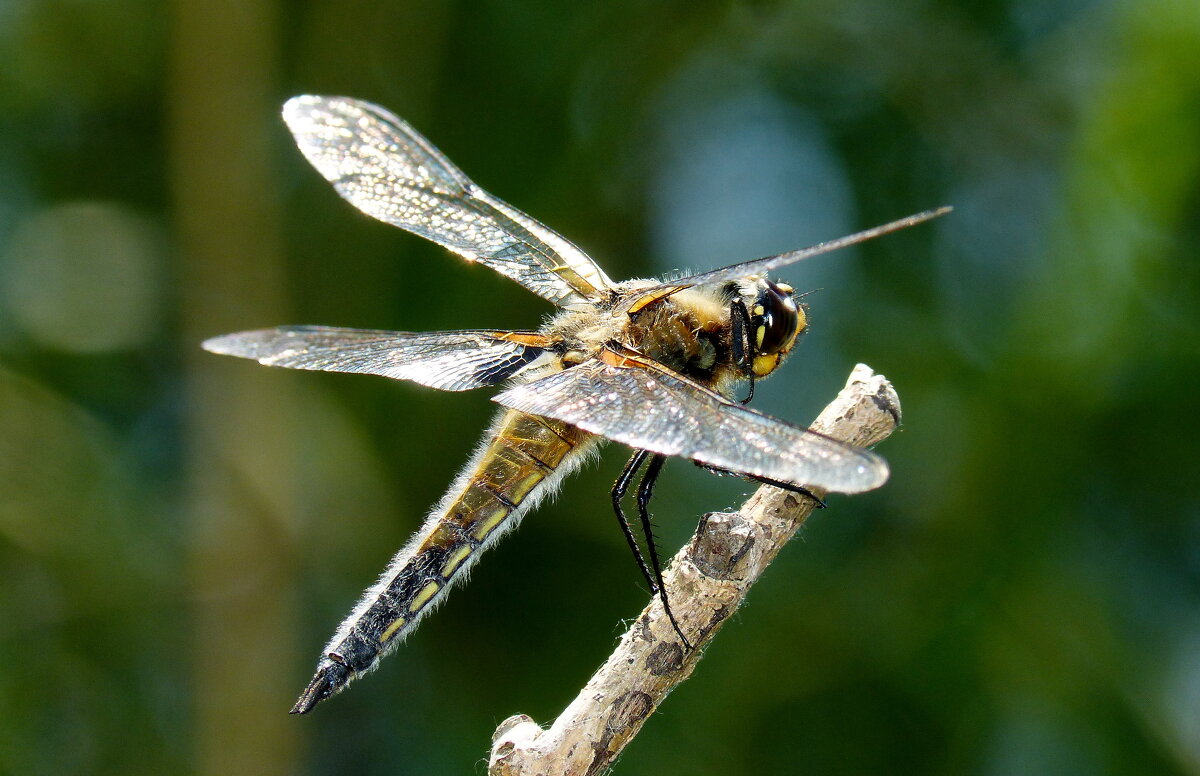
[222,110]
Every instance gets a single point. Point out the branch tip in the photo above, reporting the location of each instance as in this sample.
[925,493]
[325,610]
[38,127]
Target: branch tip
[708,579]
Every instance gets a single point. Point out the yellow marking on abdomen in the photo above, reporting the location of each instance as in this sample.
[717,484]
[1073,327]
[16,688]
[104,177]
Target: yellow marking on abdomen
[423,596]
[520,489]
[488,524]
[456,557]
[391,630]
[524,450]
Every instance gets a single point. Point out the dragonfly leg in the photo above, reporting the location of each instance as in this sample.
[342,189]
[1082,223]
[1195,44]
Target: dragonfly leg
[749,391]
[652,572]
[800,489]
[644,492]
[743,346]
[620,488]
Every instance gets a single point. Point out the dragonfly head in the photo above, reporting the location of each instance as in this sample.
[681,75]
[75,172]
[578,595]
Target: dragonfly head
[775,322]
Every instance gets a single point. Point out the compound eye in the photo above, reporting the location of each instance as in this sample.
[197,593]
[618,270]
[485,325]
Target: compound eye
[776,320]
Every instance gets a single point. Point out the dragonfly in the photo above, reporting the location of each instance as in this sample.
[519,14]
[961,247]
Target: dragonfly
[651,364]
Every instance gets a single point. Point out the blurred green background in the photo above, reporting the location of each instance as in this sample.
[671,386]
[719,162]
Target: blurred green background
[180,533]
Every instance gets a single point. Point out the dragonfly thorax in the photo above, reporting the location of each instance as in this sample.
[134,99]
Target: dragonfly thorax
[686,332]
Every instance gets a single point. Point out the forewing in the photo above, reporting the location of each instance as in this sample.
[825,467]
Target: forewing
[448,360]
[386,169]
[647,406]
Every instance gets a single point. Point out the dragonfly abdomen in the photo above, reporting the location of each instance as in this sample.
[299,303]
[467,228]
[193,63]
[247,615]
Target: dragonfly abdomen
[521,460]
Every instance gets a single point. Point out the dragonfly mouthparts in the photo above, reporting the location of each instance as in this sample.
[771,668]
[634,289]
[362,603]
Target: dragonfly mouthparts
[327,681]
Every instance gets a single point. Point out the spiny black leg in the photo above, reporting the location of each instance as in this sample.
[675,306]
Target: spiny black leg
[741,344]
[803,491]
[644,492]
[750,393]
[739,339]
[620,487]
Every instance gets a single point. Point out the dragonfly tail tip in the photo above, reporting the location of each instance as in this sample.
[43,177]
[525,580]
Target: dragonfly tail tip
[328,680]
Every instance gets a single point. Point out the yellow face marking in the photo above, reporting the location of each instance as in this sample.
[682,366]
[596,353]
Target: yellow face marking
[423,596]
[759,334]
[759,309]
[485,526]
[785,288]
[765,365]
[456,557]
[391,630]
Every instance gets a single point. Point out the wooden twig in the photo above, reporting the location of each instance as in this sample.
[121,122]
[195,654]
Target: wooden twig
[706,582]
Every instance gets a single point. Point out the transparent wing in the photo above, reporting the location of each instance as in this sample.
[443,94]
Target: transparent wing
[448,360]
[644,405]
[765,265]
[386,169]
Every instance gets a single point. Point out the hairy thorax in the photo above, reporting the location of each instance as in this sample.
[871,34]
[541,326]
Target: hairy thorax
[688,332]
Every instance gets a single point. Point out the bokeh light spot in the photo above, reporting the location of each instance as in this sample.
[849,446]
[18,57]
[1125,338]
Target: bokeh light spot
[83,277]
